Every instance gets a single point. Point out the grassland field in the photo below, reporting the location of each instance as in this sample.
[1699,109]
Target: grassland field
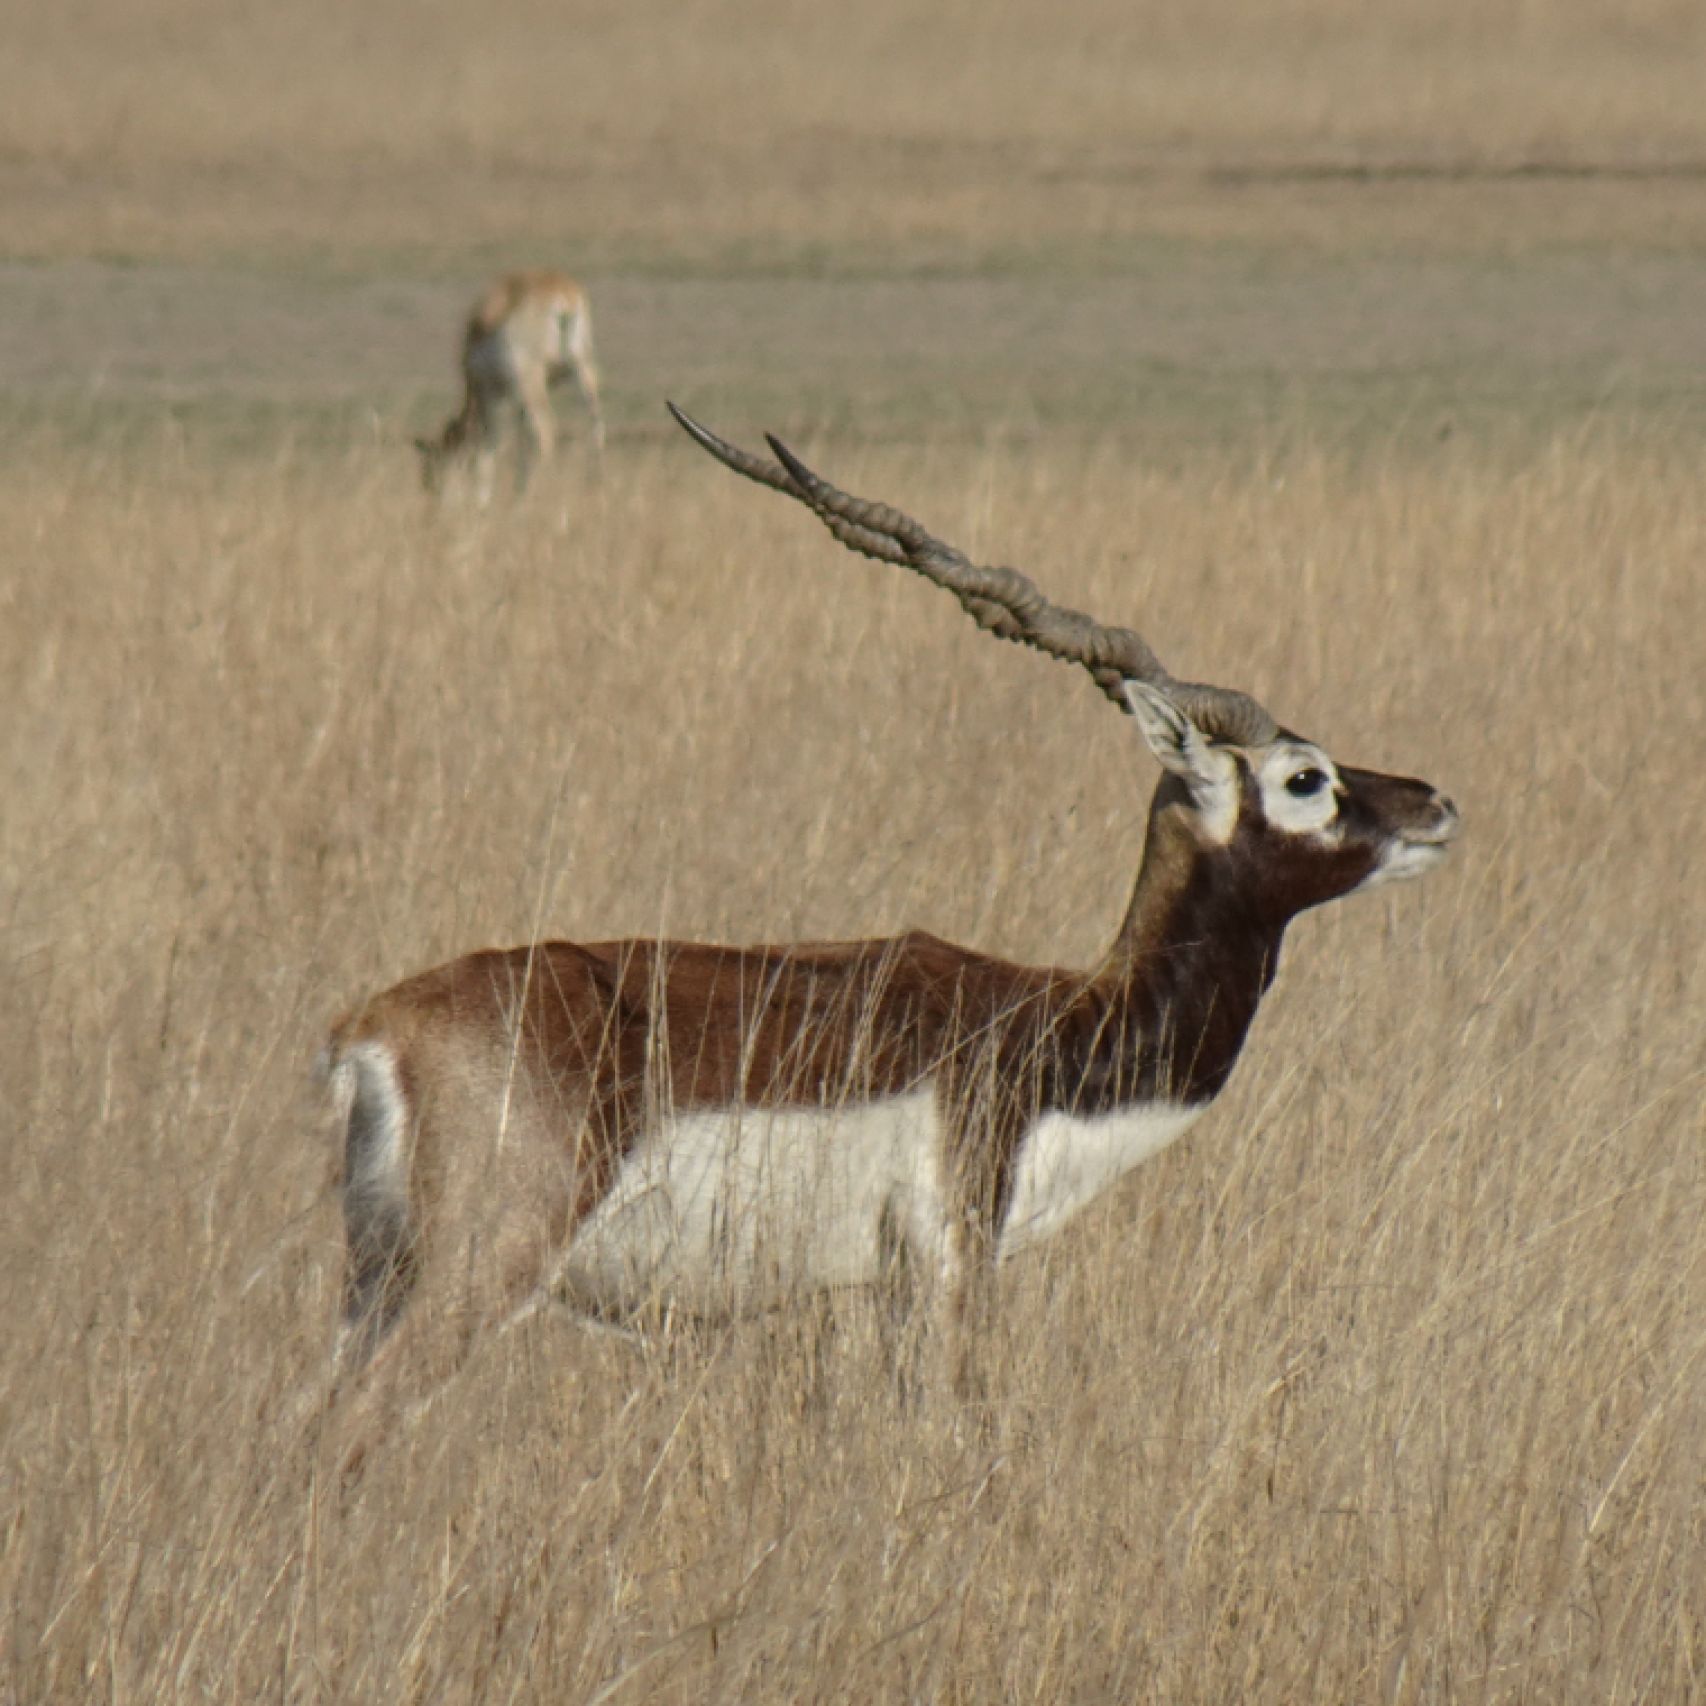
[1356,356]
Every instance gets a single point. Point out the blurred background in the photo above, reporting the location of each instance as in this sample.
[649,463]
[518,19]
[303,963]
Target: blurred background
[1100,214]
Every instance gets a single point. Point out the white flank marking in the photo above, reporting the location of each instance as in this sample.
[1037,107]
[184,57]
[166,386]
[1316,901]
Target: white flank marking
[737,1210]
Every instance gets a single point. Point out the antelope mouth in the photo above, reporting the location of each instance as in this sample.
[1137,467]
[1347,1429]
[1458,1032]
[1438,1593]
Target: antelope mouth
[1442,831]
[1417,849]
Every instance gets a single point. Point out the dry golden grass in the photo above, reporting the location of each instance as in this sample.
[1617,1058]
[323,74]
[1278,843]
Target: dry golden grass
[1385,1385]
[777,129]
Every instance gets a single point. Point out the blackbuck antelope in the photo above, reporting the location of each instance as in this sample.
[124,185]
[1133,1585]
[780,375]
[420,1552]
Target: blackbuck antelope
[529,332]
[642,1126]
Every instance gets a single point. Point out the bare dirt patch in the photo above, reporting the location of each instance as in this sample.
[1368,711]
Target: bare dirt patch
[1213,341]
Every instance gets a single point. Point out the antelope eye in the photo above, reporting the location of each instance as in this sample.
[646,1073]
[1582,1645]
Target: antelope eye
[1306,782]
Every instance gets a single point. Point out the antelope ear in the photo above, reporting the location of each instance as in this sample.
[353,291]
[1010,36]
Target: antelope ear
[1178,744]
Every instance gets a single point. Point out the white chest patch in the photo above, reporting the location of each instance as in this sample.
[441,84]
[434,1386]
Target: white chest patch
[1067,1162]
[726,1211]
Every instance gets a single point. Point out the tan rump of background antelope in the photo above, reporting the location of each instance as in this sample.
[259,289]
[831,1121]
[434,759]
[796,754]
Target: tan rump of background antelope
[528,332]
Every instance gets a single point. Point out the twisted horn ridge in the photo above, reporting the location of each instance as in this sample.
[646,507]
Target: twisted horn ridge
[1001,601]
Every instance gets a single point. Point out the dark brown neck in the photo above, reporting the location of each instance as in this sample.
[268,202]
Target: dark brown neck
[1193,958]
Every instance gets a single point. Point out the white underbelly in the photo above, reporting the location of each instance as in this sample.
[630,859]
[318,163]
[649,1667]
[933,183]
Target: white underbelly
[725,1211]
[722,1212]
[1066,1162]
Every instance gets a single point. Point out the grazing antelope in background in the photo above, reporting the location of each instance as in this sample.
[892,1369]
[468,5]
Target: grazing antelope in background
[530,331]
[640,1126]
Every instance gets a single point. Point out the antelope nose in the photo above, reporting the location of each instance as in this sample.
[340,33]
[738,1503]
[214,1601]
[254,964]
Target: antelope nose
[1448,816]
